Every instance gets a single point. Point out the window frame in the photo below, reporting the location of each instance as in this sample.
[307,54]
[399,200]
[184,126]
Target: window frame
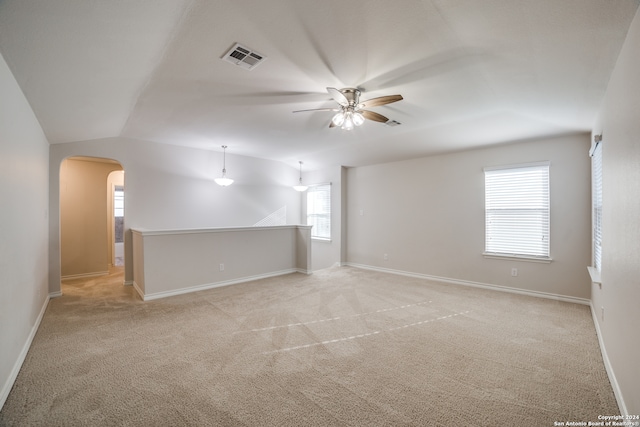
[595,270]
[596,205]
[315,188]
[528,251]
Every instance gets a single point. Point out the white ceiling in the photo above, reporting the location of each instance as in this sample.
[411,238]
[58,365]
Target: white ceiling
[471,72]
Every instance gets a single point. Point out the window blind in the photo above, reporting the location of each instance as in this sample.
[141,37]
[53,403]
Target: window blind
[319,210]
[517,211]
[597,207]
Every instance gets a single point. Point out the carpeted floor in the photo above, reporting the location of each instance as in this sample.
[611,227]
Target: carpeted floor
[343,347]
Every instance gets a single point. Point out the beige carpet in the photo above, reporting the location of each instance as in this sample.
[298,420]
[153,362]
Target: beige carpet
[343,347]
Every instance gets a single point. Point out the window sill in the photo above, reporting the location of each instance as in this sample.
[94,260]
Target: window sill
[595,275]
[525,258]
[321,239]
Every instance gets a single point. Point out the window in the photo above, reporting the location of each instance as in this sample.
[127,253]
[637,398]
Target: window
[597,206]
[118,213]
[517,211]
[319,211]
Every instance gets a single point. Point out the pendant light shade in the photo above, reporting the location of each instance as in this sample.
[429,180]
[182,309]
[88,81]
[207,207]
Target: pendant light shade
[224,181]
[300,187]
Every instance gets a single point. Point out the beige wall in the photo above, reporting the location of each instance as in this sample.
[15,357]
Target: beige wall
[84,244]
[619,124]
[427,215]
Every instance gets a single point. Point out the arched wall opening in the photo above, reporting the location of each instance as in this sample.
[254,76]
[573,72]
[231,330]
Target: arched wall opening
[86,215]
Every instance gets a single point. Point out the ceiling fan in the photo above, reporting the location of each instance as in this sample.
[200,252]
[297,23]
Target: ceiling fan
[351,111]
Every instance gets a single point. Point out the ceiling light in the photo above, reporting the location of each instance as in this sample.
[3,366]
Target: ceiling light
[300,187]
[358,118]
[348,121]
[348,117]
[224,181]
[338,119]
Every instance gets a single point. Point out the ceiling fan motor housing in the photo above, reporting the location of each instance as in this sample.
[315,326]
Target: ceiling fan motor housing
[352,95]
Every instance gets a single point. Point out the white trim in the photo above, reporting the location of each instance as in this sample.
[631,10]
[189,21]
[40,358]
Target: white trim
[607,365]
[145,232]
[138,290]
[526,258]
[319,183]
[517,166]
[127,283]
[55,294]
[321,239]
[547,295]
[6,388]
[85,275]
[196,288]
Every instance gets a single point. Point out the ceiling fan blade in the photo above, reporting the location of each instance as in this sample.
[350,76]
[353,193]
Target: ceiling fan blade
[331,124]
[317,109]
[370,115]
[382,100]
[338,96]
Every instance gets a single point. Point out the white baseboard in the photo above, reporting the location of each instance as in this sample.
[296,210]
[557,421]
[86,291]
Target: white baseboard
[164,294]
[55,294]
[6,388]
[138,289]
[500,288]
[85,275]
[607,365]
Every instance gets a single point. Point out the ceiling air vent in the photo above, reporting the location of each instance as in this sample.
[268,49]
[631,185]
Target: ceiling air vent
[243,57]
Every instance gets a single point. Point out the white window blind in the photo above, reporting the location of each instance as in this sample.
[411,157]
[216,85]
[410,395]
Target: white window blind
[319,210]
[517,211]
[597,207]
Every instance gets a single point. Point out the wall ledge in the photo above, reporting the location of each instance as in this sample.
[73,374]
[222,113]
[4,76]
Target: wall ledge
[250,253]
[148,232]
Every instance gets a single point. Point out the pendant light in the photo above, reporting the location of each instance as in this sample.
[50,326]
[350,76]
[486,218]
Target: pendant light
[224,181]
[300,187]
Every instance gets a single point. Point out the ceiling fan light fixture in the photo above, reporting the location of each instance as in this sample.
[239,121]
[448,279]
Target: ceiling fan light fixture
[224,181]
[338,119]
[300,187]
[358,119]
[348,121]
[351,112]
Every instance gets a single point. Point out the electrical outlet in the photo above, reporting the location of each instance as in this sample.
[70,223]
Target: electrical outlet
[386,257]
[514,272]
[221,267]
[361,212]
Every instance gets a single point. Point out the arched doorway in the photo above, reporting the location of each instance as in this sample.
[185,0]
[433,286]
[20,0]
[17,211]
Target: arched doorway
[87,229]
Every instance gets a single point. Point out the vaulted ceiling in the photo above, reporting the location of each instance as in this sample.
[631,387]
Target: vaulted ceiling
[471,72]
